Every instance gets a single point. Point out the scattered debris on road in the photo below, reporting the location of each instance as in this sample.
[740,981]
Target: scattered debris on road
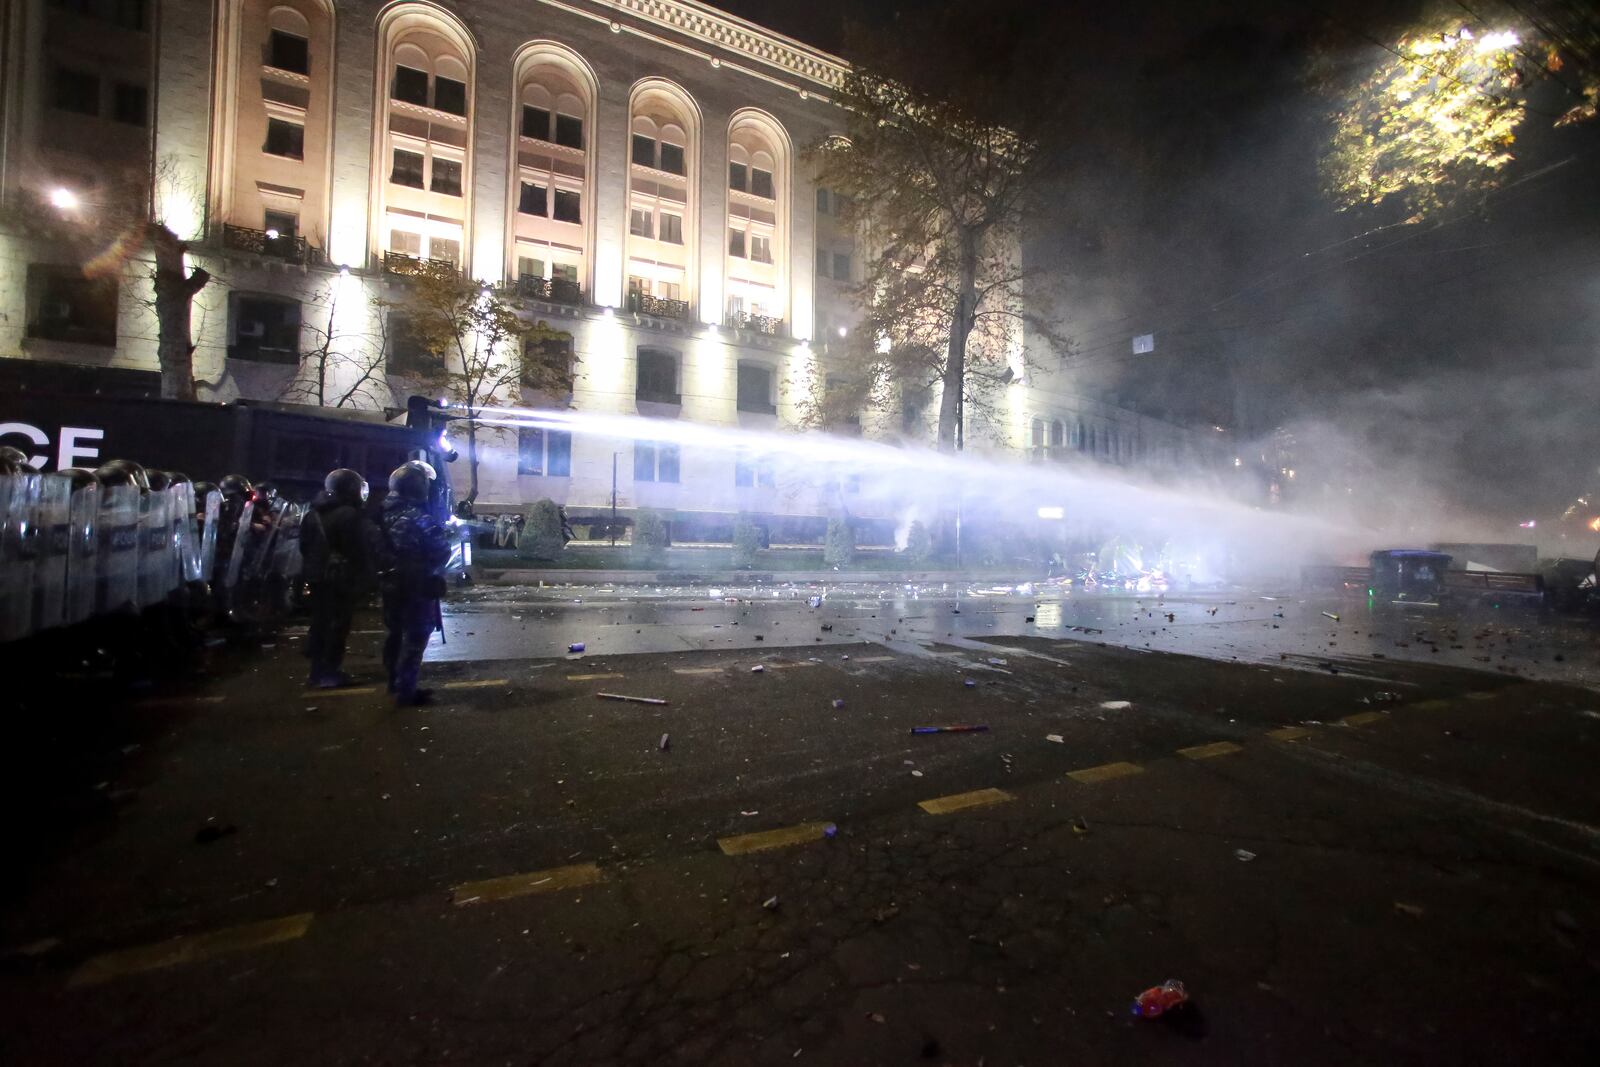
[771,903]
[1243,855]
[631,699]
[666,739]
[958,728]
[576,647]
[1055,739]
[758,669]
[1412,910]
[1330,615]
[1158,1000]
[1116,705]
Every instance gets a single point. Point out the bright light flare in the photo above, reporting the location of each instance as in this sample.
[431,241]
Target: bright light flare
[1052,513]
[63,199]
[1594,524]
[1496,42]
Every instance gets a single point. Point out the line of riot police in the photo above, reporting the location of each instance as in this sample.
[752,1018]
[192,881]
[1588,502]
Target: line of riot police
[136,561]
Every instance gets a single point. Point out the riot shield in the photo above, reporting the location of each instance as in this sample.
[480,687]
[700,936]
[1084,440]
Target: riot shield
[118,555]
[208,535]
[155,548]
[186,533]
[264,553]
[54,528]
[241,546]
[19,499]
[286,552]
[83,543]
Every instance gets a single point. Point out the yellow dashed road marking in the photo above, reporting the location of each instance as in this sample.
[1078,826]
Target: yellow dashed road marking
[785,666]
[760,842]
[590,677]
[519,885]
[356,691]
[697,670]
[191,948]
[976,799]
[1289,733]
[1216,748]
[1104,773]
[1430,705]
[1363,718]
[477,683]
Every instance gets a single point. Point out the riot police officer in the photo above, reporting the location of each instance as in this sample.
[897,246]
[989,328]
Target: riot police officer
[339,547]
[416,550]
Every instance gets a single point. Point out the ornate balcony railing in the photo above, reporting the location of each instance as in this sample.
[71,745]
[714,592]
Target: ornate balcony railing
[555,290]
[660,307]
[288,247]
[407,266]
[765,324]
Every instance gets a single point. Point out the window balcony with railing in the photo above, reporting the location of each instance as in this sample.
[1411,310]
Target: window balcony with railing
[409,266]
[554,290]
[769,325]
[658,306]
[271,244]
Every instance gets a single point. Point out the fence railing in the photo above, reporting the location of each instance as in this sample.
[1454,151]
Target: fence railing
[658,306]
[288,247]
[555,290]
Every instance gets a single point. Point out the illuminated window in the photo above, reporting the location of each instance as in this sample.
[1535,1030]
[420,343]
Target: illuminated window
[446,177]
[655,461]
[671,228]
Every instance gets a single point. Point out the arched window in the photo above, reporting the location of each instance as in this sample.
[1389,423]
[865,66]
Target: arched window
[1058,434]
[663,153]
[756,280]
[423,173]
[273,164]
[552,183]
[1078,437]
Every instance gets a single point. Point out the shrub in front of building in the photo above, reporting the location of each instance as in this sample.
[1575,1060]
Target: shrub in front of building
[541,537]
[746,543]
[839,550]
[649,538]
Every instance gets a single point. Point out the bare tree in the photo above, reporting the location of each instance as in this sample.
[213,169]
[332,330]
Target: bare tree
[942,171]
[341,368]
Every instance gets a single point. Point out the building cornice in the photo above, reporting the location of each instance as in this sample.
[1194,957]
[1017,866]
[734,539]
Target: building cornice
[718,30]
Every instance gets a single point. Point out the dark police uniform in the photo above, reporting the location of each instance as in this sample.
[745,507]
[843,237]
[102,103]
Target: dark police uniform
[416,551]
[339,547]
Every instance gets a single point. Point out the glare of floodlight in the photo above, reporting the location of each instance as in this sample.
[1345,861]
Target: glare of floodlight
[63,199]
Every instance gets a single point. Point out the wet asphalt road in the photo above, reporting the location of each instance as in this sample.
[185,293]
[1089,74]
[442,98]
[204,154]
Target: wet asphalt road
[1420,828]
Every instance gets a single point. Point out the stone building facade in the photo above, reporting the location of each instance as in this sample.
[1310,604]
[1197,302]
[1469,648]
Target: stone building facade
[635,168]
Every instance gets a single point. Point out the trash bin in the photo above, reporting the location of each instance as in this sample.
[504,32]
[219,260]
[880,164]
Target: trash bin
[1408,573]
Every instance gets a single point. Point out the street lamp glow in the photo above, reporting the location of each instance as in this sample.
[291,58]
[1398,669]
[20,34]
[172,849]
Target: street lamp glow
[272,235]
[344,270]
[844,331]
[63,199]
[1052,513]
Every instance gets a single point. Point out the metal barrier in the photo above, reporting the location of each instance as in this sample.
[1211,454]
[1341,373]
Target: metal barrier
[68,554]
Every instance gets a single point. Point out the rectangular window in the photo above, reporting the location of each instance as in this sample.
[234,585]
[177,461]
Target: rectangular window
[447,249]
[569,206]
[736,243]
[569,131]
[640,222]
[672,158]
[738,176]
[535,122]
[77,92]
[130,104]
[755,388]
[405,242]
[760,248]
[558,453]
[405,352]
[450,95]
[69,307]
[407,168]
[761,183]
[752,472]
[644,461]
[644,150]
[841,266]
[672,228]
[666,462]
[266,330]
[824,263]
[656,377]
[528,267]
[286,139]
[288,51]
[565,272]
[446,176]
[410,85]
[822,200]
[532,200]
[281,223]
[530,450]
